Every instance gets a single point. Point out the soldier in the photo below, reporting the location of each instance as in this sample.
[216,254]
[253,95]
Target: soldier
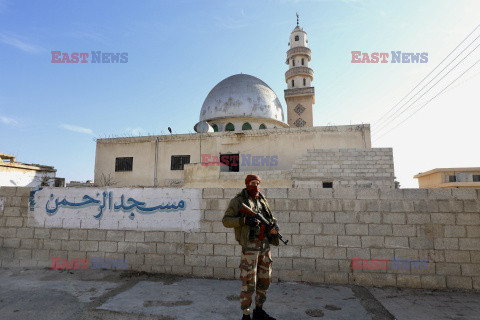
[256,260]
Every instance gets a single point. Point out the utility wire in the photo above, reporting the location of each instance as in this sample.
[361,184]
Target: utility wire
[387,120]
[431,98]
[426,76]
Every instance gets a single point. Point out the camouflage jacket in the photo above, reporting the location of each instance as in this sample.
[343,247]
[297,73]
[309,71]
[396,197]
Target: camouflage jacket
[234,219]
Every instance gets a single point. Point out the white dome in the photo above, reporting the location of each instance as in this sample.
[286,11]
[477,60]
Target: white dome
[241,95]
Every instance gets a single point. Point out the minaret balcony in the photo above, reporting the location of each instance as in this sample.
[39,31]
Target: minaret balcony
[307,91]
[299,51]
[298,71]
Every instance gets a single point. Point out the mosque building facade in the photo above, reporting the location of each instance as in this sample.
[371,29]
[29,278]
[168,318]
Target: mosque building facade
[242,130]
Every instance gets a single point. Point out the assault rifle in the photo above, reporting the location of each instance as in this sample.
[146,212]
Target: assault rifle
[247,211]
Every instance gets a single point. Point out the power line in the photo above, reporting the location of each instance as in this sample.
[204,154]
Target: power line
[387,120]
[427,75]
[431,98]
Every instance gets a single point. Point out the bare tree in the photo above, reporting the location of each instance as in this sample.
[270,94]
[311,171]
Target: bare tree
[106,180]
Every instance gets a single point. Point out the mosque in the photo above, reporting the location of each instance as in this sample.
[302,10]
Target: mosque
[242,129]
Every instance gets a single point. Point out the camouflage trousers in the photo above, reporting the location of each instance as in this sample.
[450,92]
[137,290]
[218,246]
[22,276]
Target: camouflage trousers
[255,273]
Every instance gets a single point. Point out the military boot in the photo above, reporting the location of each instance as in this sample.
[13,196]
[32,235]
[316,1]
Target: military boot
[260,314]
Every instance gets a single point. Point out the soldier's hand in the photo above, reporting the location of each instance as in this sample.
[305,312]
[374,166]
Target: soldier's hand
[252,221]
[274,231]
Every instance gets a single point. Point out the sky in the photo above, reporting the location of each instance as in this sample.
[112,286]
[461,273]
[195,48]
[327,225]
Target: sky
[51,113]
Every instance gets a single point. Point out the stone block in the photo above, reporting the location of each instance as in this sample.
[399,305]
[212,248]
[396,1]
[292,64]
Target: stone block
[146,247]
[396,242]
[394,217]
[128,247]
[216,238]
[356,229]
[471,219]
[334,229]
[109,246]
[469,244]
[321,193]
[380,230]
[457,256]
[445,193]
[326,240]
[459,282]
[174,236]
[323,217]
[334,253]
[455,231]
[433,281]
[373,241]
[300,216]
[464,194]
[368,194]
[450,206]
[56,233]
[447,244]
[150,236]
[409,281]
[349,241]
[443,218]
[336,277]
[214,193]
[98,235]
[345,193]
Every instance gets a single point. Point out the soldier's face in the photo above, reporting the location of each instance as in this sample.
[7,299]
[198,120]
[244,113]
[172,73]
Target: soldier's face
[254,183]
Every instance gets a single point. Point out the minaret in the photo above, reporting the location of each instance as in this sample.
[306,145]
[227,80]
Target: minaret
[300,95]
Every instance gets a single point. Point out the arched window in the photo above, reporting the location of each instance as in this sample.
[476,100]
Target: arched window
[303,61]
[246,126]
[230,127]
[304,82]
[293,62]
[215,128]
[293,83]
[296,38]
[262,126]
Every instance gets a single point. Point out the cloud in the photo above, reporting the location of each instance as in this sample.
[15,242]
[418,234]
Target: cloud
[77,129]
[9,121]
[136,131]
[19,44]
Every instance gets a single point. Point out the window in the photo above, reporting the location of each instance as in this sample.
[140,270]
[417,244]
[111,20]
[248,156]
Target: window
[178,162]
[327,184]
[246,126]
[303,61]
[230,127]
[451,179]
[304,82]
[293,83]
[229,162]
[293,62]
[123,164]
[215,128]
[262,126]
[476,178]
[297,38]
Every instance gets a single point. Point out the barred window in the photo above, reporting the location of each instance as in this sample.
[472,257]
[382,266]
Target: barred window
[123,164]
[297,38]
[476,178]
[452,179]
[178,162]
[327,184]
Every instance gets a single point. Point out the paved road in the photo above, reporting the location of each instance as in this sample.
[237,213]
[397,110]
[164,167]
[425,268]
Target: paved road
[102,294]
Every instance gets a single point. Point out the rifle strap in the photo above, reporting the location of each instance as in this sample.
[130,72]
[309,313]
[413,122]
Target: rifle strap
[262,230]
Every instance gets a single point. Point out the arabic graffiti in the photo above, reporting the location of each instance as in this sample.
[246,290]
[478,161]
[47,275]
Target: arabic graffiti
[107,198]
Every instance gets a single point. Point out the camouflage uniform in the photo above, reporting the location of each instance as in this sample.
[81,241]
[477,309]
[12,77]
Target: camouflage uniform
[256,260]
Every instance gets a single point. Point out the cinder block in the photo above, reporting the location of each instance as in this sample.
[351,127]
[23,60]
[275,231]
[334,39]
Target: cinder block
[421,243]
[146,247]
[396,242]
[394,218]
[284,205]
[349,241]
[418,218]
[445,193]
[443,218]
[469,244]
[455,231]
[313,277]
[129,247]
[216,238]
[78,234]
[370,217]
[276,193]
[204,249]
[96,235]
[12,212]
[334,228]
[464,194]
[471,219]
[304,264]
[326,241]
[459,282]
[154,259]
[25,233]
[363,253]
[347,217]
[311,252]
[469,269]
[224,273]
[447,243]
[175,260]
[471,206]
[224,250]
[216,261]
[11,242]
[473,231]
[373,241]
[356,229]
[298,193]
[70,245]
[55,233]
[23,254]
[380,230]
[202,271]
[457,256]
[289,251]
[345,193]
[368,194]
[323,217]
[31,243]
[289,275]
[14,222]
[300,217]
[401,206]
[334,253]
[391,194]
[433,281]
[321,193]
[303,240]
[214,215]
[413,194]
[215,193]
[110,246]
[336,277]
[409,281]
[450,206]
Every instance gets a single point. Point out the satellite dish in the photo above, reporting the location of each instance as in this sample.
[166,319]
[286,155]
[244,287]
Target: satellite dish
[203,127]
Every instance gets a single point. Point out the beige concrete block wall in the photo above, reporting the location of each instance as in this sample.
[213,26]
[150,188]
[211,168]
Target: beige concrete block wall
[326,229]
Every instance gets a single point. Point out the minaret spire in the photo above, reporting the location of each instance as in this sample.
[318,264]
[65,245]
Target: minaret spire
[300,94]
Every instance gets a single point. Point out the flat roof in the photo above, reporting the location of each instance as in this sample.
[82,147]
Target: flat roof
[436,170]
